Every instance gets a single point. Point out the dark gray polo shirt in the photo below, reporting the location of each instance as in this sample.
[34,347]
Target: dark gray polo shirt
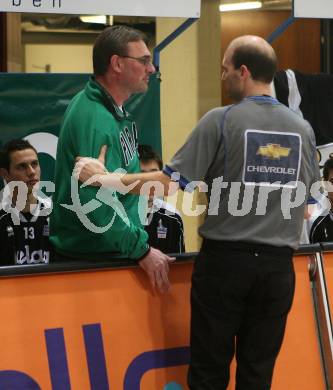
[258,159]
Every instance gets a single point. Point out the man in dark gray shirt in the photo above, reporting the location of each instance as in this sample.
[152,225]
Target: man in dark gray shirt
[258,161]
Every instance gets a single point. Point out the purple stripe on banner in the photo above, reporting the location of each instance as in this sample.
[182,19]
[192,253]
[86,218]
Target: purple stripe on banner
[56,353]
[152,360]
[95,357]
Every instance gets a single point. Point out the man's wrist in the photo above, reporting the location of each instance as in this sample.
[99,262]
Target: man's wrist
[111,179]
[144,255]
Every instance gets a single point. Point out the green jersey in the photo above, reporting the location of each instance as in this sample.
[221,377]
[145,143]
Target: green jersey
[92,221]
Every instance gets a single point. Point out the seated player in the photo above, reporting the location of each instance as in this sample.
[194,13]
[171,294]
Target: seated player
[24,222]
[322,227]
[164,224]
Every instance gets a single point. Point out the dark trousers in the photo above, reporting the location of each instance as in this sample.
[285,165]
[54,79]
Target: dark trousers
[241,295]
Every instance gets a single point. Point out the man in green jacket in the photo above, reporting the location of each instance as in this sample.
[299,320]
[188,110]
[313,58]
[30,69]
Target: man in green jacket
[88,223]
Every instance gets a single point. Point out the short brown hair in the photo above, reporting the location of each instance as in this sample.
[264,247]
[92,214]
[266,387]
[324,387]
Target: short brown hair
[13,146]
[147,153]
[113,40]
[261,65]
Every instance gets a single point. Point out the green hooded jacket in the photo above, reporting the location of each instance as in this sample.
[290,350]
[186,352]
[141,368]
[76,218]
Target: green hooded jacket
[93,222]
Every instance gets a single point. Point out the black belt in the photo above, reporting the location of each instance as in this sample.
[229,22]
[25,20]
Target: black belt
[246,247]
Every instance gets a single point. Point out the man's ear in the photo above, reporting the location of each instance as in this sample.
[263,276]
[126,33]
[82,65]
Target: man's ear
[244,71]
[115,63]
[4,173]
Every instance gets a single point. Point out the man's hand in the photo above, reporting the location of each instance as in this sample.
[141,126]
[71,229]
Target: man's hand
[87,167]
[91,171]
[156,265]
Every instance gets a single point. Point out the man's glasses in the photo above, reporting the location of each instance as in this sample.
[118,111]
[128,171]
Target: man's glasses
[144,60]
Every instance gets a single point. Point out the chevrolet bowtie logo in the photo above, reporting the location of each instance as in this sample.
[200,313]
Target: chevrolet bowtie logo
[273,151]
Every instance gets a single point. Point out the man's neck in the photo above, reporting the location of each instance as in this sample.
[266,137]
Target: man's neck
[118,94]
[258,89]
